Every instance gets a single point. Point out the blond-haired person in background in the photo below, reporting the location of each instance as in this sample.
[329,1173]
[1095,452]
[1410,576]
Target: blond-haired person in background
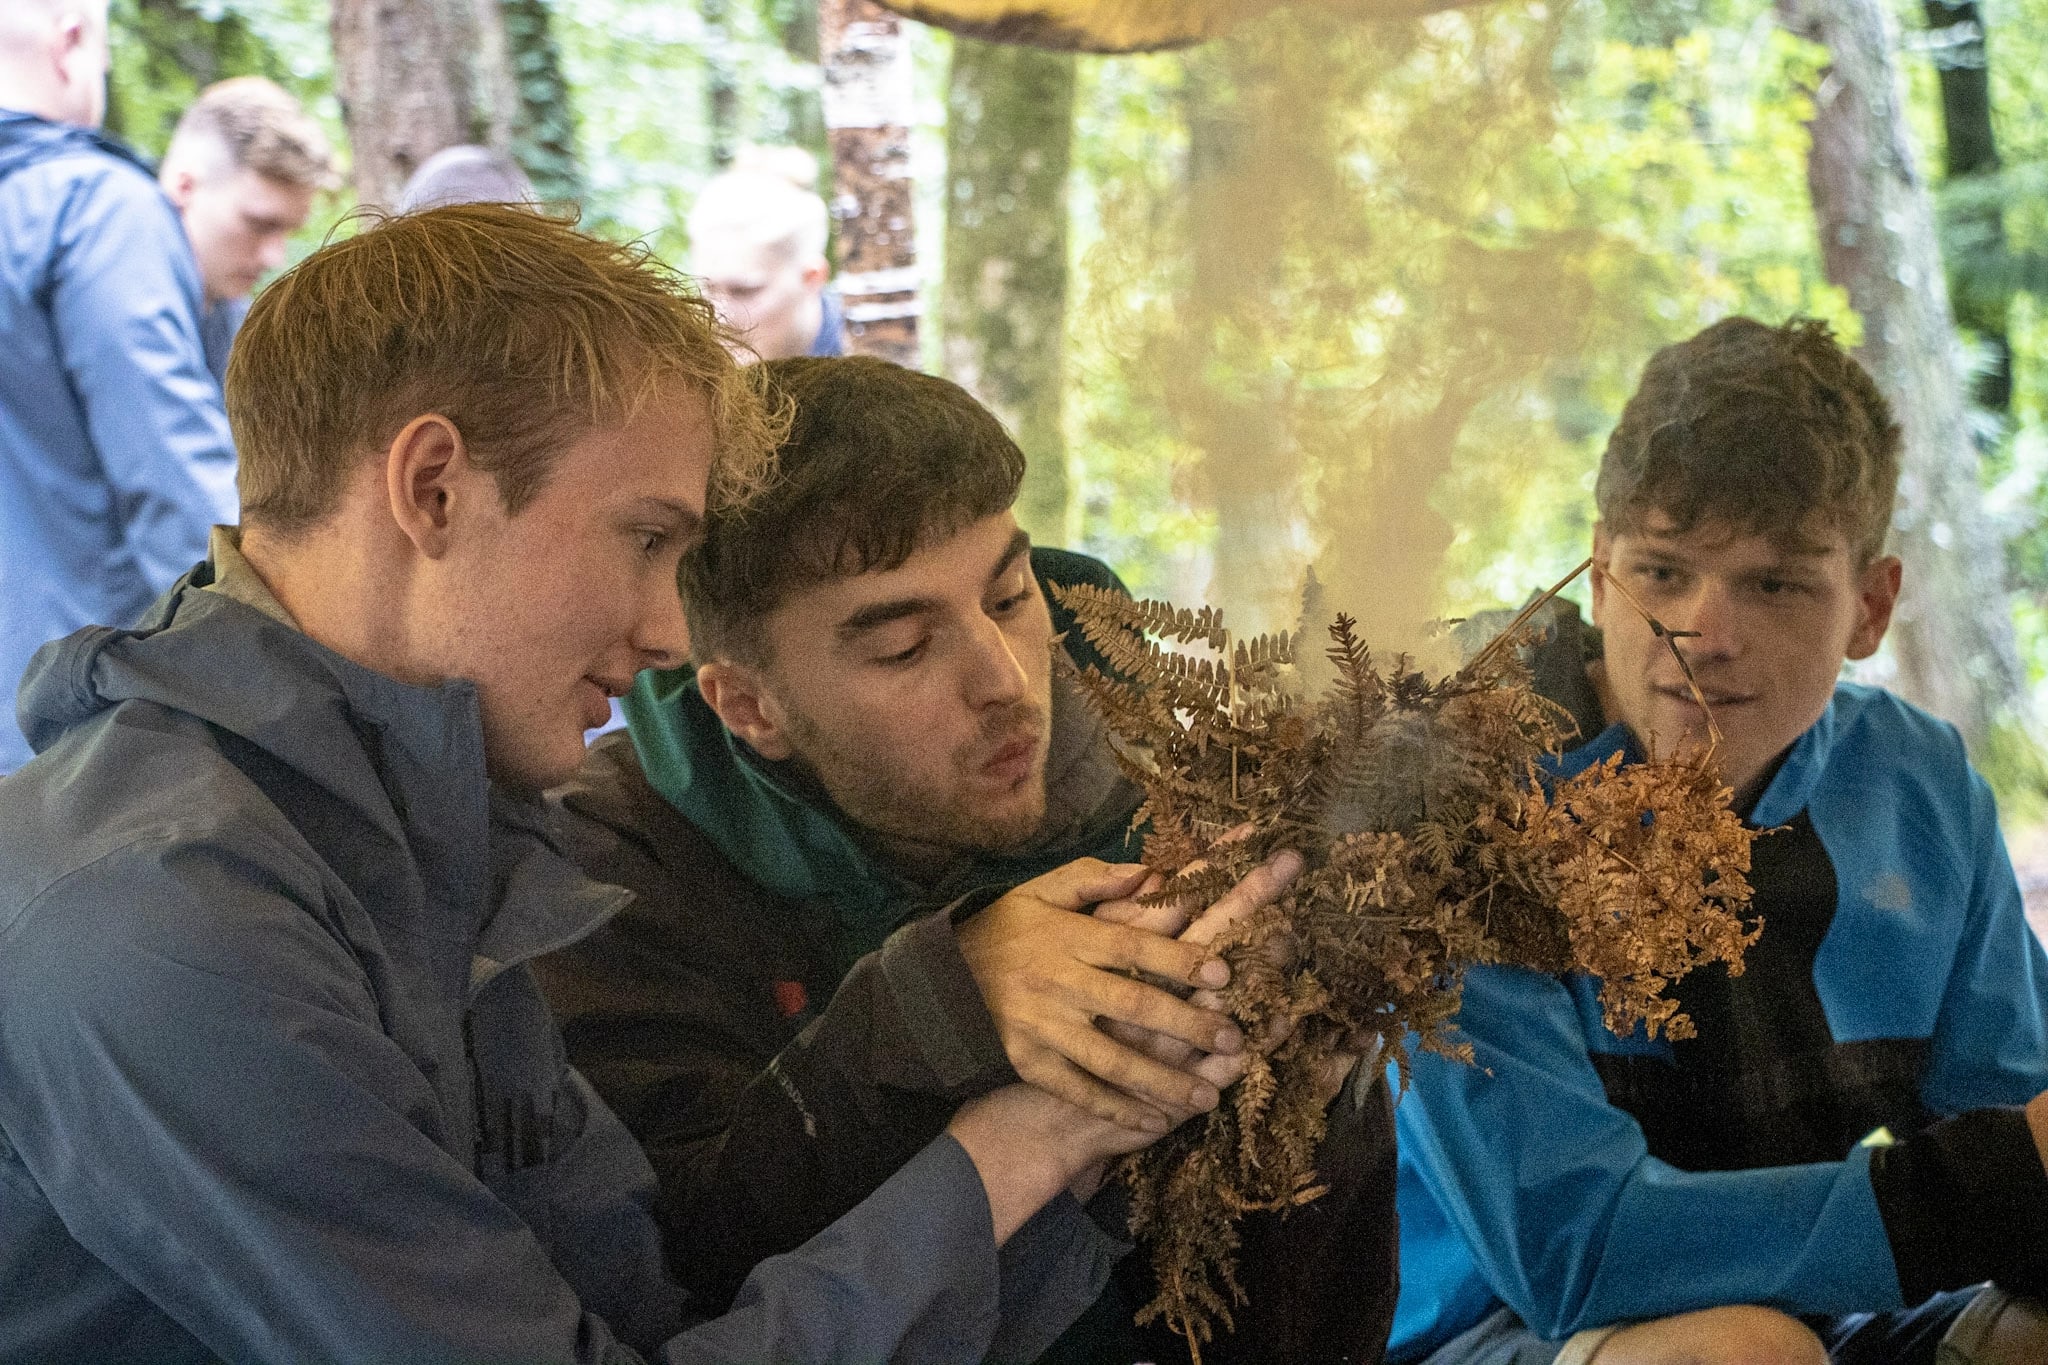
[243,169]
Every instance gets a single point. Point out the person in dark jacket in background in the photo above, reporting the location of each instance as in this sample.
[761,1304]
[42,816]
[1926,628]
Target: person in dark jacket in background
[873,747]
[115,455]
[279,1085]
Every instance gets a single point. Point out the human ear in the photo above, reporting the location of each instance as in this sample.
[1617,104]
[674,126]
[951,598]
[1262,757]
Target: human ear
[424,468]
[1603,554]
[735,692]
[179,182]
[1877,592]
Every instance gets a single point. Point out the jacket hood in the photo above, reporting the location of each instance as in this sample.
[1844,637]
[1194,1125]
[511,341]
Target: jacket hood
[26,139]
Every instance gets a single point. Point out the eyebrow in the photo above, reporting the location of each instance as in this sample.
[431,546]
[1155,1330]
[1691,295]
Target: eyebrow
[895,609]
[686,520]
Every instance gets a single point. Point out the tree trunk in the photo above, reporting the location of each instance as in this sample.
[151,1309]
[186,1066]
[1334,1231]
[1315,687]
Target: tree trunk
[1009,135]
[1961,62]
[407,86]
[543,118]
[795,24]
[721,85]
[1954,635]
[867,118]
[1235,412]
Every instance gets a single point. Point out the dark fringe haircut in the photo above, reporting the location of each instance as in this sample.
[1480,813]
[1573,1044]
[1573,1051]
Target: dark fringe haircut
[1775,431]
[879,462]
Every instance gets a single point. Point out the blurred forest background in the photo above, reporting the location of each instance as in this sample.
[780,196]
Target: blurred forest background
[1362,295]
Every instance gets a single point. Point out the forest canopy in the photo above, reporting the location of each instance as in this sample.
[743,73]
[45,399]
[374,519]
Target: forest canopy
[1366,296]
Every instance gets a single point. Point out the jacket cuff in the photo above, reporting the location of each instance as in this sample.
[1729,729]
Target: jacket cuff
[941,1006]
[1053,1268]
[1963,1201]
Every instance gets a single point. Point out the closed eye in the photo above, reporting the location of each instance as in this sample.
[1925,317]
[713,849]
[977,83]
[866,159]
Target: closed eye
[902,657]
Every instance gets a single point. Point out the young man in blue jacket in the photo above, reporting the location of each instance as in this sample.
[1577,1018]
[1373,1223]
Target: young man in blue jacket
[276,1083]
[1574,1195]
[115,455]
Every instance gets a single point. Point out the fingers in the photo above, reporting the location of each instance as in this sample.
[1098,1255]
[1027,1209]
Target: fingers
[1164,920]
[1083,882]
[1260,887]
[1057,1076]
[1169,1088]
[1121,947]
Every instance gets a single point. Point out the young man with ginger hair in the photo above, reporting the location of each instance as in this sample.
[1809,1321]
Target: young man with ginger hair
[279,1083]
[825,819]
[1577,1196]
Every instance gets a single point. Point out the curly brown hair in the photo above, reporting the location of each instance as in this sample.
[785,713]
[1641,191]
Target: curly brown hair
[1769,430]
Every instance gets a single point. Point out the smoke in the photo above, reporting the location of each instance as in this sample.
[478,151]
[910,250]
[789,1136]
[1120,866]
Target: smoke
[1353,278]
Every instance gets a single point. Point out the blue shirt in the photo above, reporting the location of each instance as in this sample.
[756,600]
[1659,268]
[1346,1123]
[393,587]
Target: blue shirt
[115,456]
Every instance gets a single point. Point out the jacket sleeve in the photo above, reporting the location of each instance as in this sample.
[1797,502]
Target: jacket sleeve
[1966,1199]
[759,1136]
[124,304]
[1573,1224]
[205,1096]
[1990,1043]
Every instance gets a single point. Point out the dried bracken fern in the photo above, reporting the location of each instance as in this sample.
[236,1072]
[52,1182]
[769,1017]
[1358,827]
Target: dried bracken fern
[1430,843]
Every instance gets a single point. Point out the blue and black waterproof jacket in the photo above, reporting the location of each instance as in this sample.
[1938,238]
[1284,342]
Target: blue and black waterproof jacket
[276,1082]
[115,456]
[1583,1178]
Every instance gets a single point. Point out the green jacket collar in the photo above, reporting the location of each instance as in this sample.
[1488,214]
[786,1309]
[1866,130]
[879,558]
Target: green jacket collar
[790,842]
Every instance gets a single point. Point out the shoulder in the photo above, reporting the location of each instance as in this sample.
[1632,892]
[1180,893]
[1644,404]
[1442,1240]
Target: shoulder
[620,830]
[1871,718]
[133,808]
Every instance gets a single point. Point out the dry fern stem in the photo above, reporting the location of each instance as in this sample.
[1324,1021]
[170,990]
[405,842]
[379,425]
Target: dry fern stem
[1430,844]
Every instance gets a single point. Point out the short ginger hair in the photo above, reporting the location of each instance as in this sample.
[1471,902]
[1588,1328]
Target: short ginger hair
[260,128]
[522,331]
[1768,430]
[879,462]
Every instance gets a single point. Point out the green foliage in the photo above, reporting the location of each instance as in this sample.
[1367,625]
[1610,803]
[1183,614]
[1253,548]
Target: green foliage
[166,51]
[544,126]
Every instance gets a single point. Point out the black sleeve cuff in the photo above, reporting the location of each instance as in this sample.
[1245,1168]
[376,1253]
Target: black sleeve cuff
[1965,1200]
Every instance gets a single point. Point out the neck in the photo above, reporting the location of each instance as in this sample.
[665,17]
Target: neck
[340,584]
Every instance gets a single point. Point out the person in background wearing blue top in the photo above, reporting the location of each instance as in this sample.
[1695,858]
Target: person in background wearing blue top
[757,248]
[243,168]
[1856,1137]
[115,455]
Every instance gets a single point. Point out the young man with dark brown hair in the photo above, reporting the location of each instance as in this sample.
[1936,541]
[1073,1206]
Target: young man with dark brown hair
[873,749]
[1579,1196]
[279,1084]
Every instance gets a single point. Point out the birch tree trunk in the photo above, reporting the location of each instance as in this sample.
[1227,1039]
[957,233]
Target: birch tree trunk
[867,100]
[1009,139]
[405,76]
[1953,635]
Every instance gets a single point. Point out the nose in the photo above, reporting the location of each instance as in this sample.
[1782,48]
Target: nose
[271,255]
[1708,612]
[995,675]
[661,636]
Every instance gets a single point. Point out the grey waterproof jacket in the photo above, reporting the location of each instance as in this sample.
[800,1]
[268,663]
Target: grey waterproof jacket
[276,1084]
